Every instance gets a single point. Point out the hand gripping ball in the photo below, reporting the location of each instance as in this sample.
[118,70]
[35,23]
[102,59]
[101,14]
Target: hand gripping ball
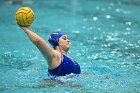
[24,16]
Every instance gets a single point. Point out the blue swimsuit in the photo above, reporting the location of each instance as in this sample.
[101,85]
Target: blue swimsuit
[67,66]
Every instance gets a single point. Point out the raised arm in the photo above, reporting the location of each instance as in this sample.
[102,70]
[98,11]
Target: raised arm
[40,43]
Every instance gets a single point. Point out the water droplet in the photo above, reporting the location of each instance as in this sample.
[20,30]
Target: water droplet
[108,16]
[90,28]
[127,29]
[58,29]
[139,41]
[84,27]
[75,32]
[128,23]
[103,9]
[113,25]
[97,7]
[15,51]
[117,10]
[98,29]
[111,4]
[95,18]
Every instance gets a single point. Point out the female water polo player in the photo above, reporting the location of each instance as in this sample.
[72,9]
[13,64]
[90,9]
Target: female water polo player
[59,64]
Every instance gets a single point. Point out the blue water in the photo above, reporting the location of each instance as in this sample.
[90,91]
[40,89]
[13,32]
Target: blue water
[105,41]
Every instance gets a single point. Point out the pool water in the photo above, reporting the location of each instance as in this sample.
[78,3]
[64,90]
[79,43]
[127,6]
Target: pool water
[105,41]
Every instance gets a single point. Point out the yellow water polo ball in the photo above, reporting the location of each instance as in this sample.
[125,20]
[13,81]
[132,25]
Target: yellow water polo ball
[24,16]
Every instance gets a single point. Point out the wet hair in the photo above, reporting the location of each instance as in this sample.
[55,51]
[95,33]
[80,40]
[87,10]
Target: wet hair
[54,39]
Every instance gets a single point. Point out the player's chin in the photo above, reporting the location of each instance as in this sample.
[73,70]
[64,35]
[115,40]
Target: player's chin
[68,47]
